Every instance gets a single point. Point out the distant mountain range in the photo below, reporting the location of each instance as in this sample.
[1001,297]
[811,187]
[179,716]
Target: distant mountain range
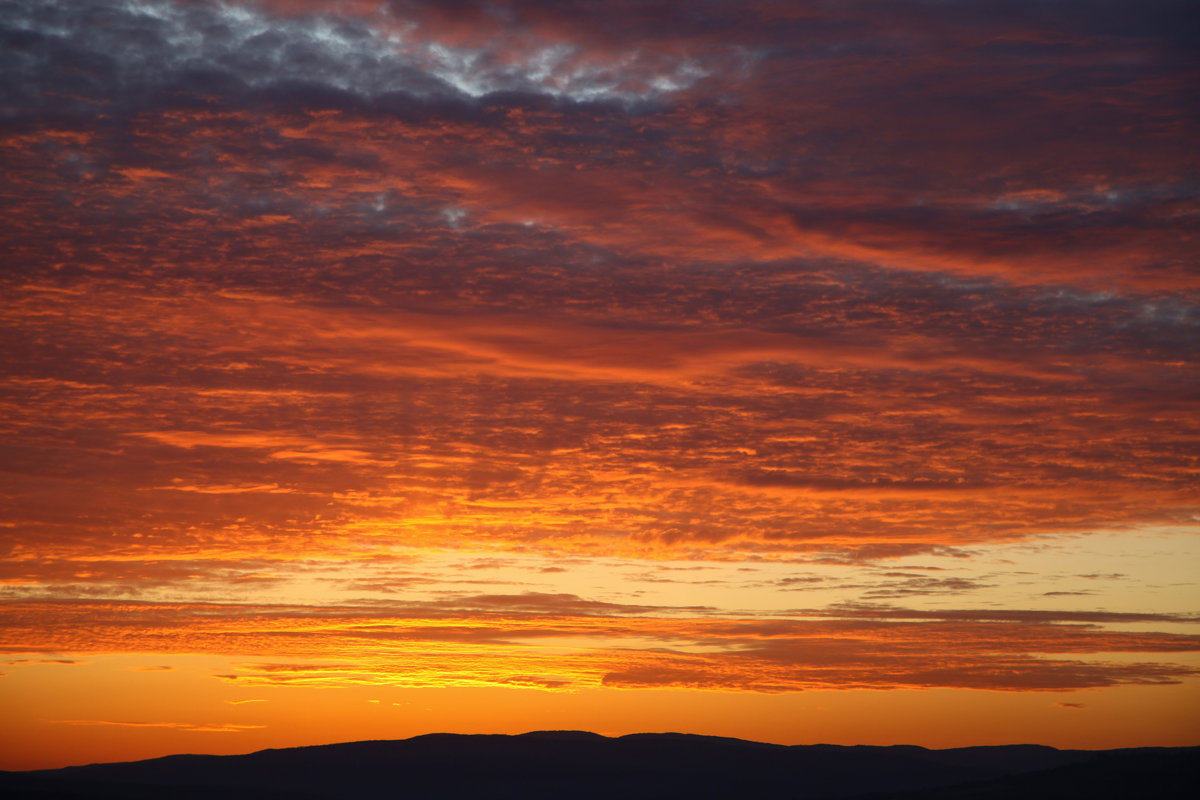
[574,765]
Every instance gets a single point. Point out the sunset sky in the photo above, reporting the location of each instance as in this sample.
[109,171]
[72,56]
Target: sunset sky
[795,371]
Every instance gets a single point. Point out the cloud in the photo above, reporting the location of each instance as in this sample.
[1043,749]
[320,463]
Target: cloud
[541,602]
[119,573]
[201,727]
[781,674]
[104,53]
[868,610]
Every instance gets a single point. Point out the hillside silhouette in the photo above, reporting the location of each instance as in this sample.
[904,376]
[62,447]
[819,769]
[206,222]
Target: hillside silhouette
[574,764]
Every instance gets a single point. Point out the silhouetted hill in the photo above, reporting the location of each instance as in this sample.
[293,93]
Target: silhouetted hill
[1146,772]
[579,765]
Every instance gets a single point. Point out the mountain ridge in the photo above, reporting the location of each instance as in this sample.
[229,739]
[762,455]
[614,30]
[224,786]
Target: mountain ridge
[582,764]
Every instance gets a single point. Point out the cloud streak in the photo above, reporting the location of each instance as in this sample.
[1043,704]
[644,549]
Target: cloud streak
[568,643]
[201,727]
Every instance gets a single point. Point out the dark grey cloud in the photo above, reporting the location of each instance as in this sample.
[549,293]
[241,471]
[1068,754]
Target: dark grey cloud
[97,57]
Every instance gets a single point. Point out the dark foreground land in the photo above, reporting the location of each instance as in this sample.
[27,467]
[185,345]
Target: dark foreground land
[569,764]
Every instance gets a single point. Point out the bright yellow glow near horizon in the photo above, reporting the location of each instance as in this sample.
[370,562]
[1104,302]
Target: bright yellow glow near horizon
[133,706]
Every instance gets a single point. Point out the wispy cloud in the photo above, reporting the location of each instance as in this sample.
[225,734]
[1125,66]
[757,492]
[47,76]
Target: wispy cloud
[199,727]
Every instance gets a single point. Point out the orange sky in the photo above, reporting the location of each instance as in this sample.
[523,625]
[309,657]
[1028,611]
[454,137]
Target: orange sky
[795,372]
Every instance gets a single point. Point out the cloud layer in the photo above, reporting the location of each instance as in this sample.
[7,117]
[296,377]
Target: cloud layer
[295,288]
